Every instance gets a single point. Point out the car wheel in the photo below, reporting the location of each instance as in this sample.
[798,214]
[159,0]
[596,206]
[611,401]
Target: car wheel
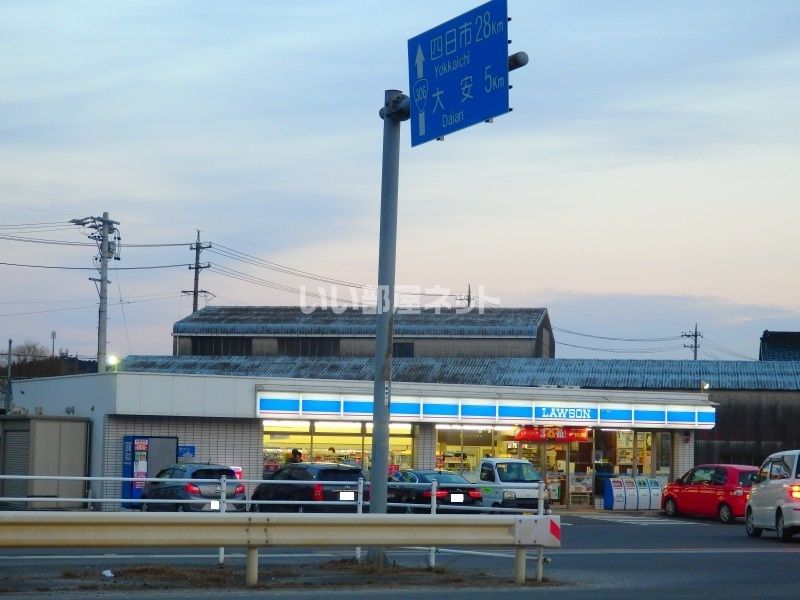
[670,507]
[752,530]
[784,533]
[725,513]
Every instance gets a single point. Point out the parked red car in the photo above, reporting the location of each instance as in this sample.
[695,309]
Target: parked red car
[719,491]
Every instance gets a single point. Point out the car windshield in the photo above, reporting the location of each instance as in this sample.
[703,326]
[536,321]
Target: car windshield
[340,475]
[441,478]
[517,472]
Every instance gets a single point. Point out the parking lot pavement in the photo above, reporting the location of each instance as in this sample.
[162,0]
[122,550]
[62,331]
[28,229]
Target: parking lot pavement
[591,510]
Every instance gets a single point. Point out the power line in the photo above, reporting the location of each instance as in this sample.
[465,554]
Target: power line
[73,301]
[625,351]
[233,254]
[709,353]
[93,306]
[94,269]
[234,274]
[266,264]
[722,348]
[617,339]
[49,357]
[18,238]
[22,225]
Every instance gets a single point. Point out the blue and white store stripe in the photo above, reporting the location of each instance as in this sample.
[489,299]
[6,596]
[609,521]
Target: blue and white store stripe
[419,409]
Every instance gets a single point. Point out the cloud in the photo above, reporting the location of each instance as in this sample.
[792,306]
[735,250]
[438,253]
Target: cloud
[730,330]
[650,153]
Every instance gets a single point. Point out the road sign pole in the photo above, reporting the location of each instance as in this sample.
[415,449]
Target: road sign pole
[392,113]
[394,110]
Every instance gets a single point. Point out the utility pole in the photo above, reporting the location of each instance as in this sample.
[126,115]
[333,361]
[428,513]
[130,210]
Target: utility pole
[53,338]
[8,379]
[102,228]
[197,247]
[694,345]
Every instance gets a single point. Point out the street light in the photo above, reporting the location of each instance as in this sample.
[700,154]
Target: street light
[112,361]
[704,385]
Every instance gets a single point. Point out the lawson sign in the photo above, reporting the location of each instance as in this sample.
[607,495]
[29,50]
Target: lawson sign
[558,413]
[488,411]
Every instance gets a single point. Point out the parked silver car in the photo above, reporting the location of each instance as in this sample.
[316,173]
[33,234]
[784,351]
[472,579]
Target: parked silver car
[774,501]
[184,482]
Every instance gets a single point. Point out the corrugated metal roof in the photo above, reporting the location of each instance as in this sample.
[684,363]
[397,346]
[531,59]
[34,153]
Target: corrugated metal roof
[515,372]
[290,320]
[780,345]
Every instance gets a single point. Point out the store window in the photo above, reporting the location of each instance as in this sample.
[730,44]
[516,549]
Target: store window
[460,447]
[564,455]
[346,442]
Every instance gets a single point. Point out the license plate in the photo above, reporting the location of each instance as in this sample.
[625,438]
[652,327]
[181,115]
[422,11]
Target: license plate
[456,497]
[215,505]
[347,496]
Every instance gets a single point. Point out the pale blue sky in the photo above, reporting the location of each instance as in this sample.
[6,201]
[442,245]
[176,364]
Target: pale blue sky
[646,180]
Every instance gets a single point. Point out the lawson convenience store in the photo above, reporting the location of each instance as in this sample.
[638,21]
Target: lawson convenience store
[569,434]
[253,421]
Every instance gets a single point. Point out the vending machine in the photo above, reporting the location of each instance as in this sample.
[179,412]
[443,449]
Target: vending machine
[144,456]
[643,496]
[655,493]
[614,498]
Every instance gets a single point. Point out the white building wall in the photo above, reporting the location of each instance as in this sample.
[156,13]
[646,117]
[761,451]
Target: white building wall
[233,442]
[683,452]
[424,446]
[186,395]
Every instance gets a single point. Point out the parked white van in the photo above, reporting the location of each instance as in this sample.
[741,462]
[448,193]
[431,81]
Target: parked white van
[774,501]
[509,483]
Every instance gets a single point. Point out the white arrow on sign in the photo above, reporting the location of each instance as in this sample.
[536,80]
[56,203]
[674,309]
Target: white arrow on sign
[419,61]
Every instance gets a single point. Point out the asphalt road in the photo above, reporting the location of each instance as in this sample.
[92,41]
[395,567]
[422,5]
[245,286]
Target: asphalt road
[604,555]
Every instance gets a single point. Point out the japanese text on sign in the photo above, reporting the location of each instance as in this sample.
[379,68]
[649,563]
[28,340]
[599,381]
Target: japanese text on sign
[458,72]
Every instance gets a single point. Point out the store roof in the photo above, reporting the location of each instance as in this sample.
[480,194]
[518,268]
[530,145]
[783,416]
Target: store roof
[779,345]
[291,320]
[516,372]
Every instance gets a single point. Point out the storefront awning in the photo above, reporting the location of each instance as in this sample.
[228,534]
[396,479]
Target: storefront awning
[436,409]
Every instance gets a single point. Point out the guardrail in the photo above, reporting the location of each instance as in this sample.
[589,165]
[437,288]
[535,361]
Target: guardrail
[359,501]
[34,529]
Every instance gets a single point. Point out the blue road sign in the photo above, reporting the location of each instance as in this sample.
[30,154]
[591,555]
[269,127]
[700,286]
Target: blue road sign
[458,72]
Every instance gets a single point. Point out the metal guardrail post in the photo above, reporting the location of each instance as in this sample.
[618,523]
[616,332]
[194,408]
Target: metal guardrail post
[223,484]
[542,492]
[519,565]
[359,510]
[432,552]
[251,570]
